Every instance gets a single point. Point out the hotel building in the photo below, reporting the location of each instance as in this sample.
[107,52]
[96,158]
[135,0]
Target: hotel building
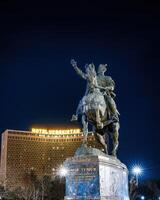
[40,150]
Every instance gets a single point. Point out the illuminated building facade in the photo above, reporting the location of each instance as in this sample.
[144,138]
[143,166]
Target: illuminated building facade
[40,150]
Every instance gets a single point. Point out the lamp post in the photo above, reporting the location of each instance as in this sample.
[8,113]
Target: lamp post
[137,170]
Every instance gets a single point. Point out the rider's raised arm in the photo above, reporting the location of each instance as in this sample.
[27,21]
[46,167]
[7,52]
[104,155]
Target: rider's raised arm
[79,71]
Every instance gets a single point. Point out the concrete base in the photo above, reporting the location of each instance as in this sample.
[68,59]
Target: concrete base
[96,177]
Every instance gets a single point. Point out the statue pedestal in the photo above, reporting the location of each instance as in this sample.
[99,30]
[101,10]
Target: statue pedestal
[96,177]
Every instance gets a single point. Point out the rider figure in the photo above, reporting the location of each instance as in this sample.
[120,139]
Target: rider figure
[107,82]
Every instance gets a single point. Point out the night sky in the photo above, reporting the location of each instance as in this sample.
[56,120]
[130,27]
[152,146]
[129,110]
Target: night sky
[38,86]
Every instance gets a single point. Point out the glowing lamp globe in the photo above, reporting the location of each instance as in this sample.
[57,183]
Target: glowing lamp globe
[63,172]
[137,170]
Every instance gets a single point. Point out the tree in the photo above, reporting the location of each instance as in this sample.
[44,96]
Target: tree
[30,189]
[150,189]
[56,190]
[34,188]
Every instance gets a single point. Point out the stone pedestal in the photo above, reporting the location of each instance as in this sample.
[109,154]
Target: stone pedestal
[96,177]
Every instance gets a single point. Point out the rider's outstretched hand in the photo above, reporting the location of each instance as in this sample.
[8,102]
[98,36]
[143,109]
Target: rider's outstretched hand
[73,63]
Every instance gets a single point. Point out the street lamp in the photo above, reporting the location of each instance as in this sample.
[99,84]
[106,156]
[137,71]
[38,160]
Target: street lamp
[137,170]
[142,197]
[63,171]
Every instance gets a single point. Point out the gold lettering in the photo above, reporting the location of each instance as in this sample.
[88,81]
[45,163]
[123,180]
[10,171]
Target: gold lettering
[55,131]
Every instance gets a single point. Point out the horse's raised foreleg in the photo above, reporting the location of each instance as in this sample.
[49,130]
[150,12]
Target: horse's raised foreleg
[85,129]
[115,136]
[101,140]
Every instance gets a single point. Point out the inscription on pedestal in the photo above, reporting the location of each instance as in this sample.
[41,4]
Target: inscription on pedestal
[82,180]
[96,178]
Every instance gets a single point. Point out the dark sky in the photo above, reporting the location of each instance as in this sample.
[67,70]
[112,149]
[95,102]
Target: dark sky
[39,86]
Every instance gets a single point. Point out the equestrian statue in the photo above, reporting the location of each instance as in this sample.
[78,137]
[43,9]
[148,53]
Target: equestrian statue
[97,107]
